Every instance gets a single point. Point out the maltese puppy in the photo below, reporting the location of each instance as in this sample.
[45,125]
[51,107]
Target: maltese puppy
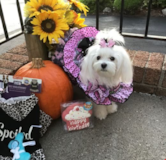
[108,64]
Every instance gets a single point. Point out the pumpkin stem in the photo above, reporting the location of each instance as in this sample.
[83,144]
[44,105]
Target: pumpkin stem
[37,63]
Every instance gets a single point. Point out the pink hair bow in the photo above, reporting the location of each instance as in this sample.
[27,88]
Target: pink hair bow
[104,43]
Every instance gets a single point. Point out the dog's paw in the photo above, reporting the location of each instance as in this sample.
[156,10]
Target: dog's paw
[101,115]
[100,112]
[112,108]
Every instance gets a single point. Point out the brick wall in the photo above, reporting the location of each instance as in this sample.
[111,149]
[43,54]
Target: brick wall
[149,68]
[149,72]
[13,59]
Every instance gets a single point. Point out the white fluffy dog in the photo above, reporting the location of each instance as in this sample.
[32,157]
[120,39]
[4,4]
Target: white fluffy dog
[106,66]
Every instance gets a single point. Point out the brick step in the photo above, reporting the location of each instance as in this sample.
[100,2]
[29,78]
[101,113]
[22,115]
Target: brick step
[11,61]
[21,50]
[149,68]
[149,72]
[7,64]
[14,57]
[6,71]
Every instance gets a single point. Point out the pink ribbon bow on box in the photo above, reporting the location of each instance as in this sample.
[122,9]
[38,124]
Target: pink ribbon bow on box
[104,43]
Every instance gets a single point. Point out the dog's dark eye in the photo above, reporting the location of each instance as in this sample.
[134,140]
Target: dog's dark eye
[112,58]
[98,57]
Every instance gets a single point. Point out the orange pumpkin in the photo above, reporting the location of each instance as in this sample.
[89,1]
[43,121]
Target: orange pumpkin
[56,86]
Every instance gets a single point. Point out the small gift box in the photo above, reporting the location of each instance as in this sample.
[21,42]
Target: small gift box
[77,115]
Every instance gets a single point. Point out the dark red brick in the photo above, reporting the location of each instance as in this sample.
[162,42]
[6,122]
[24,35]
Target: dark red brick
[131,53]
[138,74]
[139,62]
[141,59]
[19,50]
[15,57]
[5,71]
[161,92]
[156,61]
[152,76]
[6,64]
[154,68]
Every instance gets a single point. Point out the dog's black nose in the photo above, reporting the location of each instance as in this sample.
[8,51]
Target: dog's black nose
[104,65]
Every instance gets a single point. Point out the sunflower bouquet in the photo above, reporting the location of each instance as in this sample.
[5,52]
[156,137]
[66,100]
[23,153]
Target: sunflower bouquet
[50,19]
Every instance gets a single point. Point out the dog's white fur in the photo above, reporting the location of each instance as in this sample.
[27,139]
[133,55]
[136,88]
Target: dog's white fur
[116,71]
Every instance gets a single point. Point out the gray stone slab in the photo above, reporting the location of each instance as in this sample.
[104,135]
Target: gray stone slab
[12,44]
[136,132]
[132,24]
[135,24]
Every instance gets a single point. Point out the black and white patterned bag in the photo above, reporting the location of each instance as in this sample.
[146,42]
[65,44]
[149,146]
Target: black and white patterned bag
[22,115]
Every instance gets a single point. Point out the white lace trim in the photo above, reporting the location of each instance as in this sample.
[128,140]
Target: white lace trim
[15,100]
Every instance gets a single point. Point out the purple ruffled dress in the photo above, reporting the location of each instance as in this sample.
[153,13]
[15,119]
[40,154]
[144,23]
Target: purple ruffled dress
[71,59]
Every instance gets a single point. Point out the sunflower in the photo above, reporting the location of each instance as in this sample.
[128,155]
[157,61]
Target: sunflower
[78,22]
[27,10]
[48,25]
[70,16]
[35,7]
[80,6]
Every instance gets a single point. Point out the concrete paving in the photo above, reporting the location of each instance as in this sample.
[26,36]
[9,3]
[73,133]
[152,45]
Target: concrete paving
[12,44]
[135,24]
[136,132]
[132,24]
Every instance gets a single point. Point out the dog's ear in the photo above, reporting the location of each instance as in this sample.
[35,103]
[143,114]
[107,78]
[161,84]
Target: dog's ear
[87,72]
[126,68]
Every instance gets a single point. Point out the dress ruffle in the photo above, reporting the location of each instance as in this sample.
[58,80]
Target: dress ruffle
[71,48]
[104,96]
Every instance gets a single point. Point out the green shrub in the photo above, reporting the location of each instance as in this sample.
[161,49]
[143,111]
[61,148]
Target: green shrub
[102,4]
[155,3]
[130,6]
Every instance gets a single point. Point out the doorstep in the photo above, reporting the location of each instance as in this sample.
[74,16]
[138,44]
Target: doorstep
[149,68]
